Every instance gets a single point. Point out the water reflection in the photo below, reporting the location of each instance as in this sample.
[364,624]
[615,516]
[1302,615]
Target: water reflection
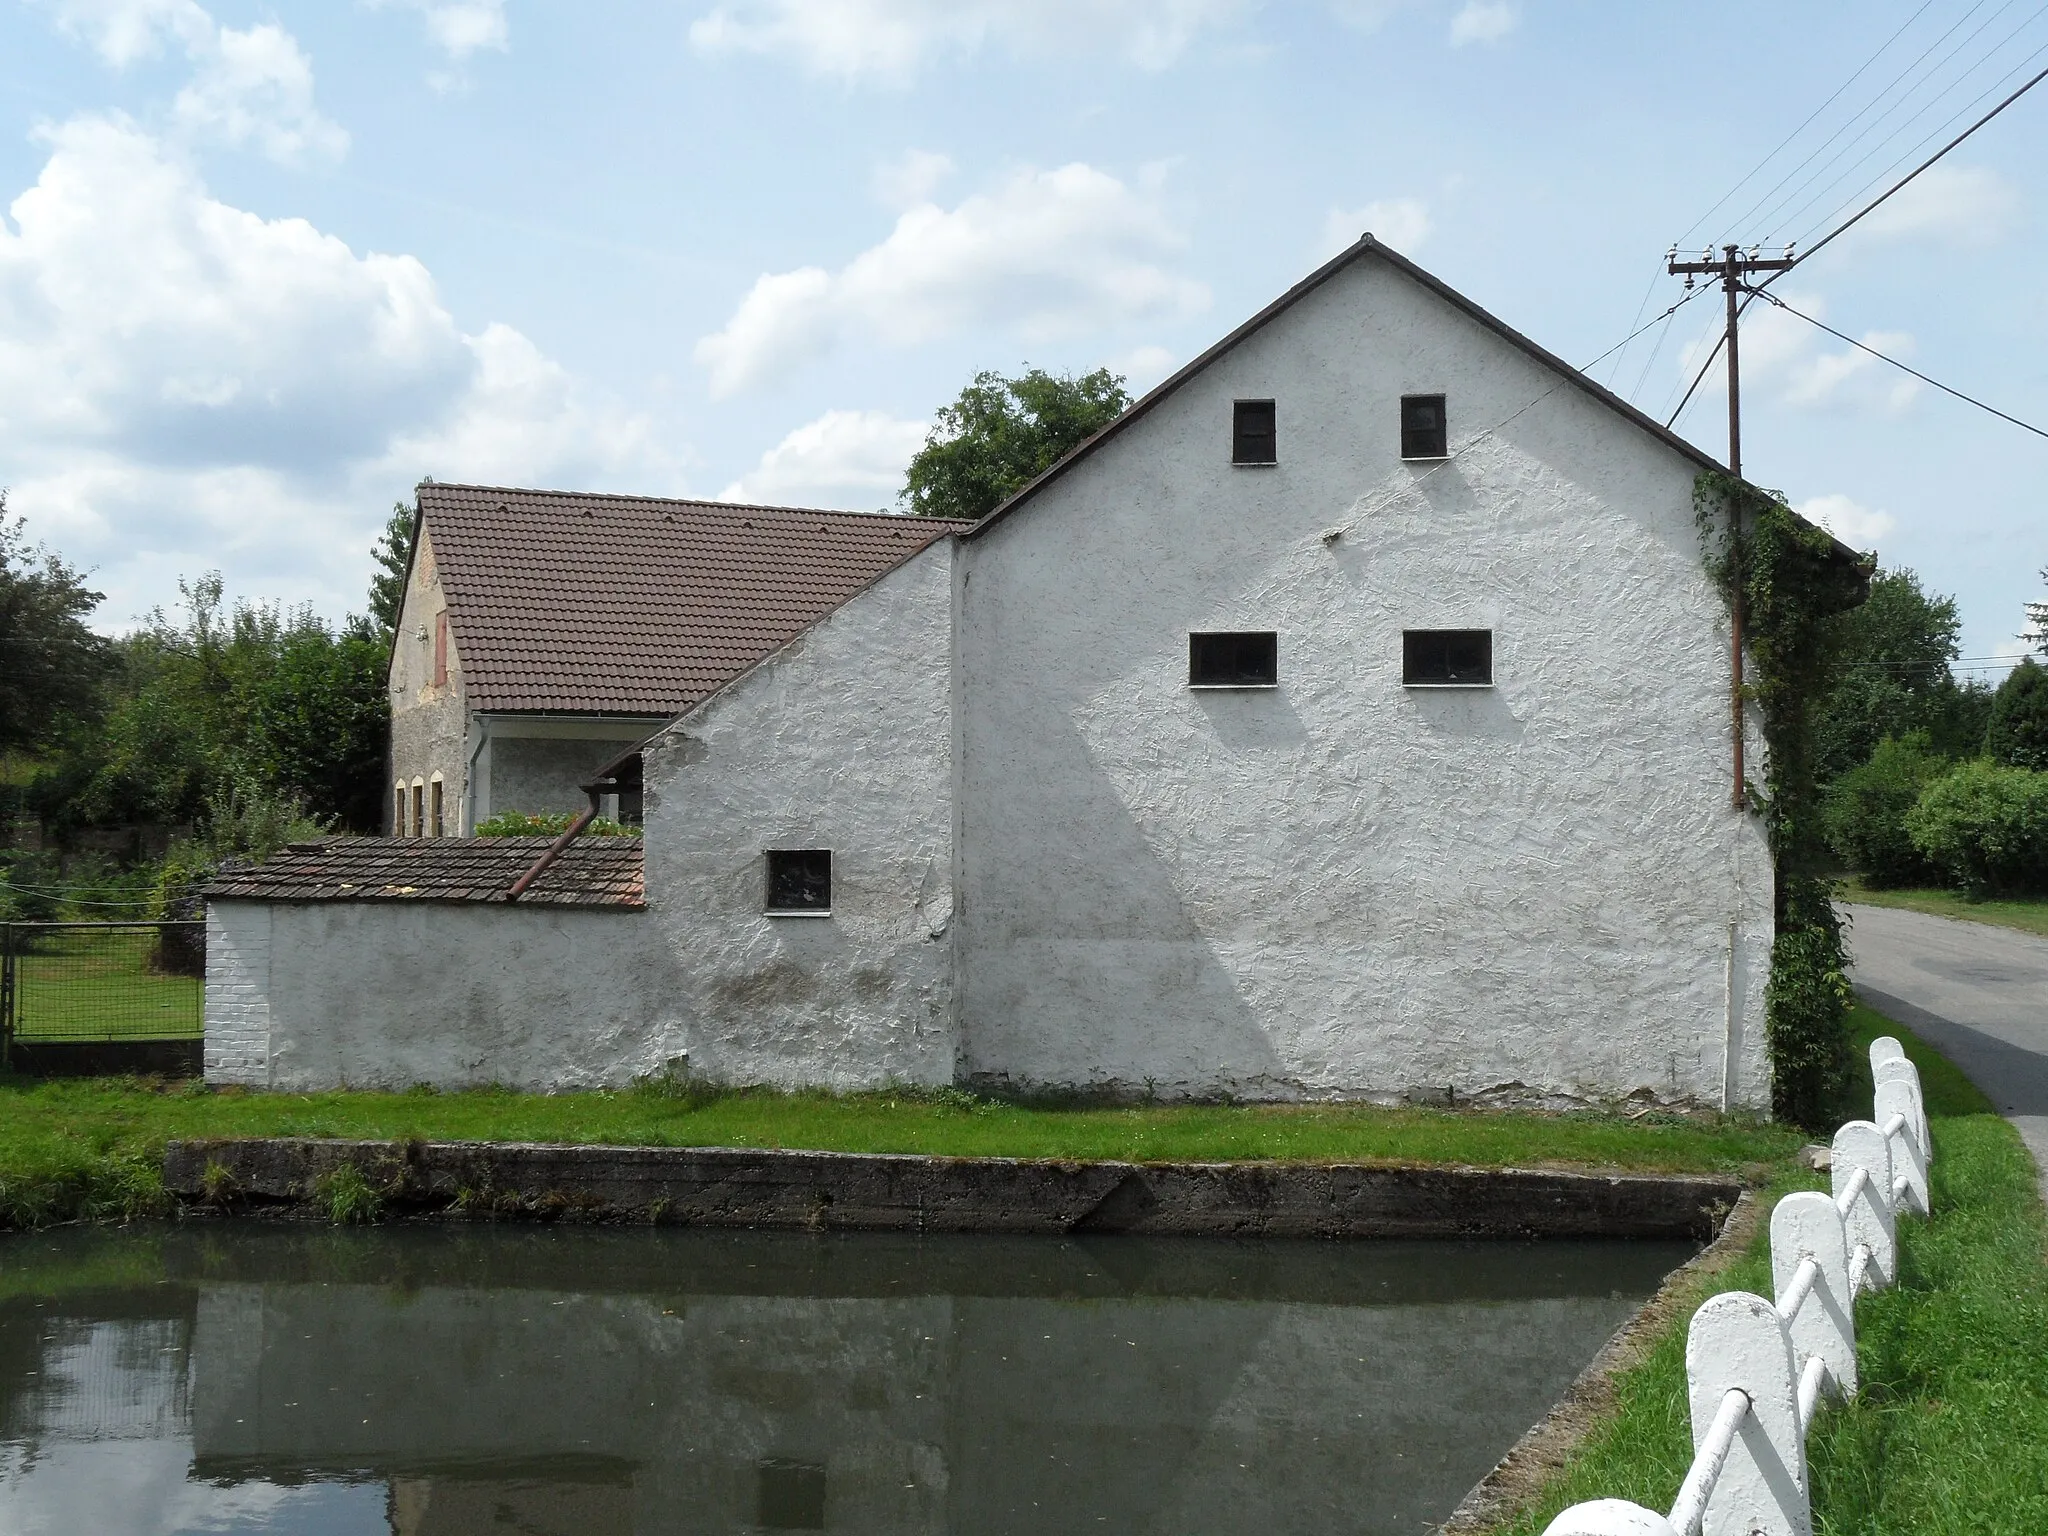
[487,1382]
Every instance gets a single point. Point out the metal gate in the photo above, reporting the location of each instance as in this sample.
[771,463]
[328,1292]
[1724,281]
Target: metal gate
[99,983]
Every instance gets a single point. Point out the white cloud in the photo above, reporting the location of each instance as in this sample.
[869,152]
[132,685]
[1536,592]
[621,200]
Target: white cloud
[1955,204]
[250,87]
[911,178]
[1142,367]
[844,458]
[124,32]
[1046,253]
[892,39]
[256,88]
[1483,21]
[1850,521]
[184,384]
[1402,222]
[1801,367]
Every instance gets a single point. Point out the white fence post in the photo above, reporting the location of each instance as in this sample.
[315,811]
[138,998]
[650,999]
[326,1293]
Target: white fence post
[1609,1517]
[1755,1370]
[1866,1204]
[1822,1320]
[1739,1343]
[1900,1100]
[1898,1069]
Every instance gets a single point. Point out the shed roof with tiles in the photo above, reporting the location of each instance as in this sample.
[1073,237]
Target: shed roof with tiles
[585,603]
[590,872]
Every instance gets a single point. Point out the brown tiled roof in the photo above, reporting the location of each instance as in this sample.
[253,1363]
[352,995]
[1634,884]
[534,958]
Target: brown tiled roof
[561,600]
[591,872]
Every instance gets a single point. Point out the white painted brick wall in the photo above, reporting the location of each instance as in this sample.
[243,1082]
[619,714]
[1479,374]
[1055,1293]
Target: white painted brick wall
[238,992]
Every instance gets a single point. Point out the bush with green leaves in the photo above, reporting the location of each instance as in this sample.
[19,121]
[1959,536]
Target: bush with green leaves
[549,824]
[1866,812]
[1985,827]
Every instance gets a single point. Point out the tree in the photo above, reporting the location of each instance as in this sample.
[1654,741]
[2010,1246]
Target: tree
[258,702]
[2018,733]
[316,721]
[1895,680]
[2037,616]
[51,665]
[1001,434]
[393,554]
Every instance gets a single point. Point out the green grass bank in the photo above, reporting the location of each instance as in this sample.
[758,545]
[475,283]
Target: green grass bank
[1950,1430]
[2026,916]
[92,1149]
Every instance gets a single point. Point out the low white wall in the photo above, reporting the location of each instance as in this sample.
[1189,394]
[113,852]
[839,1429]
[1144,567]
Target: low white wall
[841,740]
[315,995]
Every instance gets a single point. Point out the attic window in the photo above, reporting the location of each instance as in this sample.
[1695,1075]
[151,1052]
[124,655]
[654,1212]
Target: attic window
[1253,433]
[1244,658]
[799,882]
[1447,658]
[1424,432]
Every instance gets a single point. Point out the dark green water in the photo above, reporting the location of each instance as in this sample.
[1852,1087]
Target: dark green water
[521,1381]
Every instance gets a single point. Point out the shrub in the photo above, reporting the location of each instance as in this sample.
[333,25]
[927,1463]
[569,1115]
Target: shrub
[1985,827]
[2018,733]
[1806,1006]
[1866,812]
[549,824]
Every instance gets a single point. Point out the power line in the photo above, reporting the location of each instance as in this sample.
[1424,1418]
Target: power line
[1761,203]
[1905,181]
[1767,159]
[1903,367]
[1790,219]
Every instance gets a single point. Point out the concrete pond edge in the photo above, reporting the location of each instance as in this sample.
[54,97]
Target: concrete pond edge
[894,1192]
[1547,1448]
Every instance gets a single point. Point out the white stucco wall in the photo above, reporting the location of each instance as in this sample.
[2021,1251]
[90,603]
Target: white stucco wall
[839,741]
[1341,886]
[314,995]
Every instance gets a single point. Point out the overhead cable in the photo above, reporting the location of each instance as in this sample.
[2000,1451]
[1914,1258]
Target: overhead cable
[1903,367]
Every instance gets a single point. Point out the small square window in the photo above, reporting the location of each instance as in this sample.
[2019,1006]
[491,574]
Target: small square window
[1447,658]
[799,880]
[1424,432]
[1234,659]
[791,1496]
[1253,433]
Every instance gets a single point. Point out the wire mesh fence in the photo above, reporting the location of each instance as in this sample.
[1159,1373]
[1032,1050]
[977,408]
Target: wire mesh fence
[67,982]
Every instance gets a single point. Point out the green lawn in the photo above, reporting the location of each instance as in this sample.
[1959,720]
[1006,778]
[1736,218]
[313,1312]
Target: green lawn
[1950,1431]
[2027,916]
[89,1148]
[78,984]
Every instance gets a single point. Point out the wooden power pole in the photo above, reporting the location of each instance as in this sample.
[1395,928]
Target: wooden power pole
[1732,267]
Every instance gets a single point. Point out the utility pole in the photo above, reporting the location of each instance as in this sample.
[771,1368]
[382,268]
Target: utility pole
[1732,267]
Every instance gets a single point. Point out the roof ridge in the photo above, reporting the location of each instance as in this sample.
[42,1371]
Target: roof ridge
[687,501]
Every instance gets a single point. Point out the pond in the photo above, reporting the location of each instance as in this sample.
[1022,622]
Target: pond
[558,1381]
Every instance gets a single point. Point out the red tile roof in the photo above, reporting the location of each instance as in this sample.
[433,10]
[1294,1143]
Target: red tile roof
[561,600]
[590,872]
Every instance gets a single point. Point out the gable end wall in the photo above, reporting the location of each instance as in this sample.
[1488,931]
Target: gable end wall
[1342,886]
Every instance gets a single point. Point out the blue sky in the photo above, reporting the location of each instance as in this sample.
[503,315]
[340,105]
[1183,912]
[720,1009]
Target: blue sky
[262,267]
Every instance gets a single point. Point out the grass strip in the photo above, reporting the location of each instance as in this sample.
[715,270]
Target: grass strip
[2026,916]
[92,1148]
[1949,1432]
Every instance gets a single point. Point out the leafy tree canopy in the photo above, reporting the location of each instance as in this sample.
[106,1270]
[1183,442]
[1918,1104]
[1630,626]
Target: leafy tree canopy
[1001,434]
[2018,733]
[51,665]
[393,554]
[260,700]
[1895,679]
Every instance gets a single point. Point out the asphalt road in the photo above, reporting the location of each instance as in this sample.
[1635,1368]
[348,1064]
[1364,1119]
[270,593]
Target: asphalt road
[1978,994]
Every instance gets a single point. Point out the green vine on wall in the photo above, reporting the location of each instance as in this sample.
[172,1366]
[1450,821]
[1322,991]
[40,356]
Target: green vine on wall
[1792,583]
